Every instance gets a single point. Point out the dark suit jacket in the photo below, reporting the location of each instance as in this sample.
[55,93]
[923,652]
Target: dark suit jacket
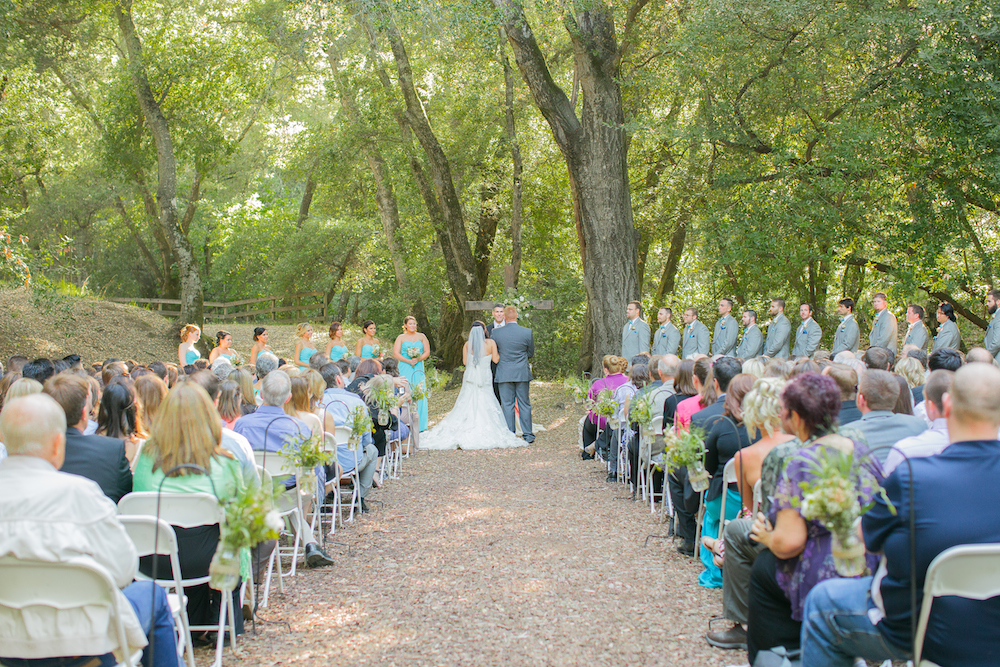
[516,346]
[100,459]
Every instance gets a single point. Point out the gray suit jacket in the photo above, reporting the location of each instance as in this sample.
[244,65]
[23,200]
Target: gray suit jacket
[992,340]
[666,338]
[881,427]
[917,335]
[752,344]
[807,339]
[884,332]
[635,338]
[948,335]
[778,333]
[516,345]
[695,340]
[847,336]
[724,339]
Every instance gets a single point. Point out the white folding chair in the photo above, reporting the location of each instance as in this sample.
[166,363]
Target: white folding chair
[153,536]
[278,465]
[728,477]
[76,583]
[970,571]
[322,507]
[274,560]
[188,510]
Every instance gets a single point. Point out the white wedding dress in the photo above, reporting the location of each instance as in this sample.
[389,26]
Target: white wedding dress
[476,421]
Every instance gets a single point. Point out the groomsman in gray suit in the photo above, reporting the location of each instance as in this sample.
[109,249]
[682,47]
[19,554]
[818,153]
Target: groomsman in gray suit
[779,330]
[516,346]
[916,333]
[992,340]
[666,338]
[695,336]
[884,331]
[808,334]
[848,334]
[753,340]
[726,330]
[635,333]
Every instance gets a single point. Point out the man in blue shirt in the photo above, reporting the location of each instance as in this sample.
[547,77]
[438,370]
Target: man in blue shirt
[338,404]
[268,428]
[870,617]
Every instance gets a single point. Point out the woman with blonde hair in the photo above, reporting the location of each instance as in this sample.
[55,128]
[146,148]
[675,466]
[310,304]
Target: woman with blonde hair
[304,349]
[22,387]
[187,431]
[150,392]
[911,370]
[762,417]
[244,379]
[9,378]
[594,427]
[187,353]
[302,406]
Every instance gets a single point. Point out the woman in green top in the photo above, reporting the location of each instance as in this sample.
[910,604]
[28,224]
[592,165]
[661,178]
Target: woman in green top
[187,430]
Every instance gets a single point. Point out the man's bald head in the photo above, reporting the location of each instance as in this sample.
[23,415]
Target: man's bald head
[34,425]
[975,396]
[978,354]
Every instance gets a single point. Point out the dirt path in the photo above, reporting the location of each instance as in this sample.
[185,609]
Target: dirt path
[504,557]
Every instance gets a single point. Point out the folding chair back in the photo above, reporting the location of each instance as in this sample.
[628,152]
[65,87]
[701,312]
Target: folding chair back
[728,477]
[72,584]
[969,570]
[184,510]
[152,536]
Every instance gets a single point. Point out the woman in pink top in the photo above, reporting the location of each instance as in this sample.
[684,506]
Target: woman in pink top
[614,377]
[706,394]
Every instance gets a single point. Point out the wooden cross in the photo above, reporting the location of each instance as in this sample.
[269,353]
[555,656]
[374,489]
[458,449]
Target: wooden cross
[508,285]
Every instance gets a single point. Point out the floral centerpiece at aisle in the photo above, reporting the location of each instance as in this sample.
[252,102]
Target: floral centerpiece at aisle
[361,423]
[605,406]
[304,454]
[578,385]
[686,449]
[832,496]
[640,412]
[250,518]
[383,395]
[419,392]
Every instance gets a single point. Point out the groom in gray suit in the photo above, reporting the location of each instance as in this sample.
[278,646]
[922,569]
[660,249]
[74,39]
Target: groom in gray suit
[516,345]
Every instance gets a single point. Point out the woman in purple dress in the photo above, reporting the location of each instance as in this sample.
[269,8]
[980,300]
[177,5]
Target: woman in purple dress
[798,551]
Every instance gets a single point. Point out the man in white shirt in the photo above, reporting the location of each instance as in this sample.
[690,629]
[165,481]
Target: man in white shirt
[935,439]
[52,516]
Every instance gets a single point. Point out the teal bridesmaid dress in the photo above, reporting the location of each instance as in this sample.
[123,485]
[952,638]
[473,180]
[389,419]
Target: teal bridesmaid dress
[367,351]
[191,356]
[414,374]
[305,354]
[338,352]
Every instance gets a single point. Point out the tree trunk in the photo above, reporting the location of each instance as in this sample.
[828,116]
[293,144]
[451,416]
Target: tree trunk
[595,148]
[489,218]
[192,297]
[668,276]
[516,206]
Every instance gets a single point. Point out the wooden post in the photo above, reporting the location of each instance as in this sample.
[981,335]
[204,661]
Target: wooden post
[508,278]
[326,304]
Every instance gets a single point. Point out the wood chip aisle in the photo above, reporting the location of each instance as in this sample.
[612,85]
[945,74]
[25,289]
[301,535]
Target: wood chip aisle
[503,557]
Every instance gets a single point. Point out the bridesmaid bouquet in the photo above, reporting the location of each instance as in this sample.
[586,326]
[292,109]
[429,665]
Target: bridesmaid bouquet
[413,352]
[377,351]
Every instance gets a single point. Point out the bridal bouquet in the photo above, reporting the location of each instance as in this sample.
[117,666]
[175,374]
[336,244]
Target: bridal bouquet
[832,496]
[686,449]
[249,519]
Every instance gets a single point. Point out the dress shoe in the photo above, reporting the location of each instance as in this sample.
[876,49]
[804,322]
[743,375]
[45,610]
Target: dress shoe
[687,549]
[315,556]
[364,507]
[585,456]
[734,638]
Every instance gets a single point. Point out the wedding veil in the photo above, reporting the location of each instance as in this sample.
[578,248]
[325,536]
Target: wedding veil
[477,344]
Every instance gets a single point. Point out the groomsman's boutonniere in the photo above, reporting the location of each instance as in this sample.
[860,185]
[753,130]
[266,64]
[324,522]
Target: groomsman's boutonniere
[631,326]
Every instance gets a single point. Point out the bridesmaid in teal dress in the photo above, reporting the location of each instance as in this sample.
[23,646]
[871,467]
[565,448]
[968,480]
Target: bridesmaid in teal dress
[411,348]
[223,347]
[368,347]
[304,349]
[187,353]
[336,349]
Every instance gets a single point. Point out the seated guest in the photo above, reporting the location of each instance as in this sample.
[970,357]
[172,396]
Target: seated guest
[798,551]
[301,405]
[187,431]
[96,457]
[39,369]
[93,404]
[243,378]
[707,394]
[51,516]
[946,359]
[230,402]
[266,363]
[979,355]
[268,429]
[118,416]
[22,387]
[934,439]
[904,400]
[6,381]
[870,617]
[667,369]
[638,377]
[847,380]
[338,404]
[614,377]
[724,439]
[150,391]
[15,363]
[882,428]
[878,358]
[913,372]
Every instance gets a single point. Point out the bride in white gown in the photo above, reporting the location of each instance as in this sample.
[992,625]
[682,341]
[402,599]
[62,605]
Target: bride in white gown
[476,421]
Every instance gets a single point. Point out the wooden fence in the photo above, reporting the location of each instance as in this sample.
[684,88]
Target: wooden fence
[313,303]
